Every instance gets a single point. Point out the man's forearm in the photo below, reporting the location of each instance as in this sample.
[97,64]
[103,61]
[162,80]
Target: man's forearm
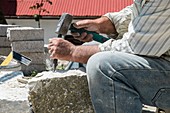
[83,53]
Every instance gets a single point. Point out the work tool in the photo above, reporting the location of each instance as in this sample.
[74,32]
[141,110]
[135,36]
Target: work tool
[62,29]
[65,24]
[17,56]
[55,61]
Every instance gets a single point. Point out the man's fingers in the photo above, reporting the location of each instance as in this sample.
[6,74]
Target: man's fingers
[82,36]
[88,38]
[82,24]
[52,54]
[75,34]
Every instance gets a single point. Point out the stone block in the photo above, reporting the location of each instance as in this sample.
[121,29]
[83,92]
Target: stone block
[4,51]
[65,92]
[25,34]
[28,70]
[4,42]
[28,46]
[3,29]
[36,57]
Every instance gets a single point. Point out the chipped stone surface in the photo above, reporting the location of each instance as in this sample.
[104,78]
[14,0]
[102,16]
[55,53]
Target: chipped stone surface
[25,34]
[28,46]
[60,93]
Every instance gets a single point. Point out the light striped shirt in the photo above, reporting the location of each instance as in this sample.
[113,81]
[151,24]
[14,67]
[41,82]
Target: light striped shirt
[144,28]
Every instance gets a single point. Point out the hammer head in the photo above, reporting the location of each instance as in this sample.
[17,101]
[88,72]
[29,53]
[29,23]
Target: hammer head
[64,24]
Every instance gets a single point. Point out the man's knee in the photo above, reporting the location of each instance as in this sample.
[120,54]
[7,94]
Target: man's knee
[99,64]
[94,63]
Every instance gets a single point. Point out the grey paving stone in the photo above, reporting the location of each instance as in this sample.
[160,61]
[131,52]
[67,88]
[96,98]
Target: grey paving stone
[28,46]
[5,50]
[25,34]
[4,42]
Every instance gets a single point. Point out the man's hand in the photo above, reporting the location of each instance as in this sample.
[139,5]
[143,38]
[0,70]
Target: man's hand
[64,50]
[60,49]
[100,25]
[89,25]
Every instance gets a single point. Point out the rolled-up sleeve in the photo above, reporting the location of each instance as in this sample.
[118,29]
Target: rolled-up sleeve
[120,20]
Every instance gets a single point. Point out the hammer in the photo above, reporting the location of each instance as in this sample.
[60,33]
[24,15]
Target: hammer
[65,24]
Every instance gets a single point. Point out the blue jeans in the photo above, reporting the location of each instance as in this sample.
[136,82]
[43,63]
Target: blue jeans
[121,82]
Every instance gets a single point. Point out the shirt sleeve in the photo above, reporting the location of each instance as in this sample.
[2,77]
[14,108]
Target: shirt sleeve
[121,20]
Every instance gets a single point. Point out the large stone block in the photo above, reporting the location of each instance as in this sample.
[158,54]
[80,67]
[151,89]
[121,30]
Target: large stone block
[36,57]
[60,93]
[4,42]
[28,46]
[3,29]
[25,34]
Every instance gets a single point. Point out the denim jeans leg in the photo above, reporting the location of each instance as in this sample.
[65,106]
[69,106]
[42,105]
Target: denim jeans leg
[121,82]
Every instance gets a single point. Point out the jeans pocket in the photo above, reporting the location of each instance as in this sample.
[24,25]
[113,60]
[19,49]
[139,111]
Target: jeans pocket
[162,98]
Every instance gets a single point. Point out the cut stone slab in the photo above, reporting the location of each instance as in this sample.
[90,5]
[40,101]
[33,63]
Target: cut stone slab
[5,50]
[25,34]
[13,95]
[3,29]
[60,92]
[4,42]
[28,46]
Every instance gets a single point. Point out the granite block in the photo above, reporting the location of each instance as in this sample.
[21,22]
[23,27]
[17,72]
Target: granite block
[65,92]
[5,50]
[4,42]
[28,46]
[25,34]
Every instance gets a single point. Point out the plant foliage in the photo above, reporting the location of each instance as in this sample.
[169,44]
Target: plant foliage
[39,6]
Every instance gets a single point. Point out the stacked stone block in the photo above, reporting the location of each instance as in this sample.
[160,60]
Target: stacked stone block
[5,44]
[29,41]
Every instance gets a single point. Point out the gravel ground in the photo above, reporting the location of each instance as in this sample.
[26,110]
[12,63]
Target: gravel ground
[14,94]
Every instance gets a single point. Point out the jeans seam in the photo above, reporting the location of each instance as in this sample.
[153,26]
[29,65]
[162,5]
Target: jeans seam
[119,70]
